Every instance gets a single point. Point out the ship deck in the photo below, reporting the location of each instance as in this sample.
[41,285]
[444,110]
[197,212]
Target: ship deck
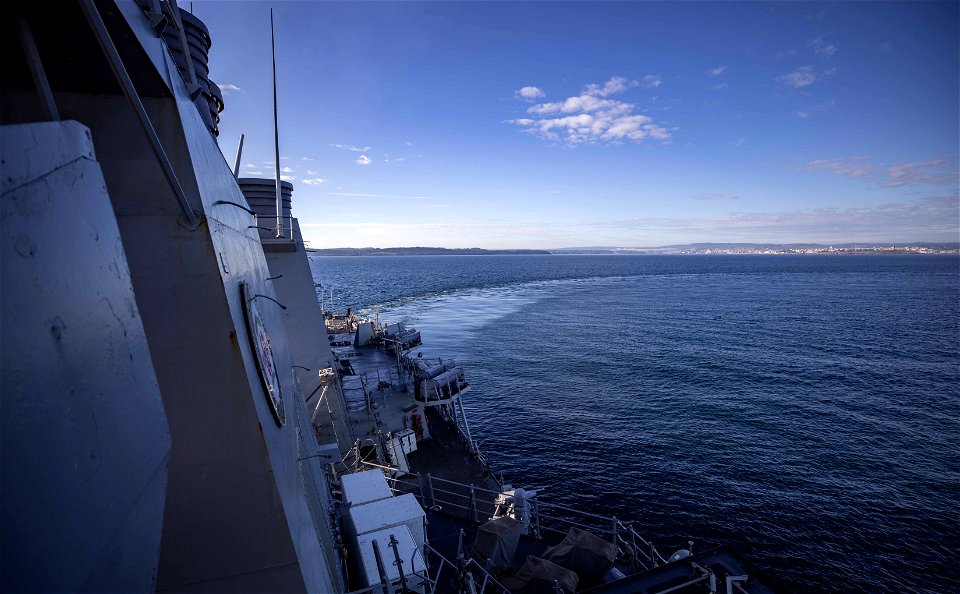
[379,399]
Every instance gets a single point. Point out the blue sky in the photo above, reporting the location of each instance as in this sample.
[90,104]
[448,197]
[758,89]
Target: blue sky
[544,125]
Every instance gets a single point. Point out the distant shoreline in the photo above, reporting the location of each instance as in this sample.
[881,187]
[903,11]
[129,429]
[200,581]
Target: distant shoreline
[422,251]
[689,249]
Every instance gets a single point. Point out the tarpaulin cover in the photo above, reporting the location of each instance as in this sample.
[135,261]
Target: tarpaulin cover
[497,541]
[584,553]
[537,576]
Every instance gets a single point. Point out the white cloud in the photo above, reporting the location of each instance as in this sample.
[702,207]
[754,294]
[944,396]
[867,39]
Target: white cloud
[817,108]
[716,71]
[228,89]
[591,118]
[250,165]
[943,170]
[288,178]
[286,170]
[252,172]
[823,48]
[527,94]
[721,87]
[360,195]
[651,81]
[930,218]
[306,159]
[363,160]
[936,171]
[313,182]
[716,196]
[408,143]
[799,78]
[351,148]
[311,172]
[579,103]
[855,167]
[616,84]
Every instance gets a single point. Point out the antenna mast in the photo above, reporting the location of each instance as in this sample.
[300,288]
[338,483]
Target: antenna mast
[236,164]
[276,132]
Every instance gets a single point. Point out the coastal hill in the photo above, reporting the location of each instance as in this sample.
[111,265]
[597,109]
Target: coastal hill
[775,248]
[420,251]
[691,248]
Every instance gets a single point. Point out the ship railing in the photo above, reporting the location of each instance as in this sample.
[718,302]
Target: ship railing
[464,571]
[268,234]
[546,519]
[556,519]
[463,432]
[443,388]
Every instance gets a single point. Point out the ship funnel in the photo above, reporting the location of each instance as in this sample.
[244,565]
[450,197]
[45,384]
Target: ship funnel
[209,101]
[261,195]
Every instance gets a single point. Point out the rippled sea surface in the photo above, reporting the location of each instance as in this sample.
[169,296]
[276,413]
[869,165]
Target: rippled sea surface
[803,409]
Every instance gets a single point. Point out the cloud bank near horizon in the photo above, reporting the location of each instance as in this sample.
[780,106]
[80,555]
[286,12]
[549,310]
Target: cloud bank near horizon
[930,218]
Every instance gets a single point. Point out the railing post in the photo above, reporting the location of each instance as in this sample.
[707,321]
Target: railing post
[433,500]
[420,484]
[615,543]
[653,555]
[633,549]
[536,518]
[473,504]
[471,585]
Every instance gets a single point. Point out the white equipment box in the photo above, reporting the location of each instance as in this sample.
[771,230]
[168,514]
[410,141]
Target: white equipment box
[414,569]
[385,513]
[363,487]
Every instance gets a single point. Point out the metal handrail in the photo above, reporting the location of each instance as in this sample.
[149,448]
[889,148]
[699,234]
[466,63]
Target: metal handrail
[291,239]
[487,577]
[631,547]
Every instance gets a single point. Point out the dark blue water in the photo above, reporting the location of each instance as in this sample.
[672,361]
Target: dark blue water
[805,410]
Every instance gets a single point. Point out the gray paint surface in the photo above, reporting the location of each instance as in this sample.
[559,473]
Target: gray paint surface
[237,510]
[306,332]
[85,442]
[241,510]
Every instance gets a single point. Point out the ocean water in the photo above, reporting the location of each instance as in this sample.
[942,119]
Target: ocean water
[803,409]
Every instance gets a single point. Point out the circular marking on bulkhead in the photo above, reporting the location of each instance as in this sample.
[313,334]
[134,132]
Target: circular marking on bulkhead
[263,352]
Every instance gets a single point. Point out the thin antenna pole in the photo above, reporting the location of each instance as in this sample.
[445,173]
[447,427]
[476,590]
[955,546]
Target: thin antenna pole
[236,164]
[36,69]
[276,132]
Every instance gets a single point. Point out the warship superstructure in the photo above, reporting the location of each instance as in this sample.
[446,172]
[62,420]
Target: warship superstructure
[180,414]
